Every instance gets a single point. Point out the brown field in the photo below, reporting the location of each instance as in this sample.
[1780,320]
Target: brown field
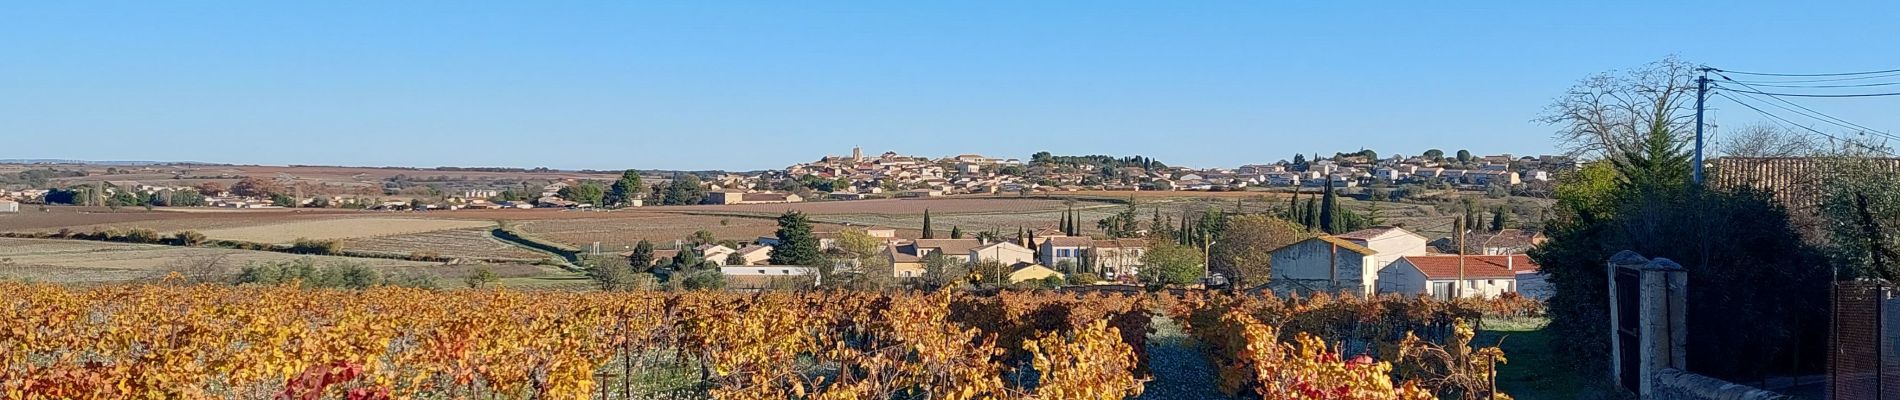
[340,228]
[617,231]
[85,219]
[959,204]
[468,243]
[78,261]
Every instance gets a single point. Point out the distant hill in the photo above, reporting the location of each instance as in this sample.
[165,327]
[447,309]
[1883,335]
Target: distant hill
[91,162]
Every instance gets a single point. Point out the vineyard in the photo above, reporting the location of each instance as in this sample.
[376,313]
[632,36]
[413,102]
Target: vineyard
[166,341]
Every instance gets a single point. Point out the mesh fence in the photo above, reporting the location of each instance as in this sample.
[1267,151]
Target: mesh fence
[1862,362]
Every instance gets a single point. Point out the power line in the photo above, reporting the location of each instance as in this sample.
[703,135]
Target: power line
[1803,127]
[1829,74]
[1818,95]
[1824,116]
[1812,86]
[1854,78]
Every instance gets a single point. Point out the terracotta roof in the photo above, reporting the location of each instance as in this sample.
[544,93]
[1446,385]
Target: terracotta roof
[753,248]
[898,256]
[1508,238]
[1478,267]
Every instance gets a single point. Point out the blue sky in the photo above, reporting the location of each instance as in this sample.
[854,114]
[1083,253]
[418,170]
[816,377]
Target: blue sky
[752,85]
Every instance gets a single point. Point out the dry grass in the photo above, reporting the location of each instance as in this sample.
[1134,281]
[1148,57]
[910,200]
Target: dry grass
[461,243]
[342,228]
[76,261]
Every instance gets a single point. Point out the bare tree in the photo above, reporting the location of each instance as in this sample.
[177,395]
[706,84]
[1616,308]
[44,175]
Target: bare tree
[1616,109]
[1763,140]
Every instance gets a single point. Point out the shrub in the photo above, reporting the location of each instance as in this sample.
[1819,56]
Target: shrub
[312,246]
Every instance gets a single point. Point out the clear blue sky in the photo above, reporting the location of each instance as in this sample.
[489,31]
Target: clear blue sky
[731,85]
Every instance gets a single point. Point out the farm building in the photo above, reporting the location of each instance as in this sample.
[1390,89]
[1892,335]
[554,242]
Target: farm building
[1484,276]
[761,277]
[1324,264]
[9,206]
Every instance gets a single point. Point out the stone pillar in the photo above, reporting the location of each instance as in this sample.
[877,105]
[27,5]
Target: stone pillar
[1622,260]
[1662,322]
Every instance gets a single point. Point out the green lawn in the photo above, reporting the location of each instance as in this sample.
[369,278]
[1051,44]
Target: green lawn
[1535,371]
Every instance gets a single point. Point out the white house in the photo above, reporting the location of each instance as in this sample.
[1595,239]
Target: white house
[760,277]
[1390,242]
[755,254]
[1483,276]
[1064,248]
[1117,258]
[715,253]
[1324,264]
[1005,252]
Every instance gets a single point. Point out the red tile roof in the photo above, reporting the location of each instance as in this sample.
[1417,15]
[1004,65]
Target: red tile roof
[1476,267]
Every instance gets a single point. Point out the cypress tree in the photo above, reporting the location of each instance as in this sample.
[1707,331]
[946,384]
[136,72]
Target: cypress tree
[1311,215]
[956,232]
[1499,219]
[1075,222]
[1329,210]
[1293,205]
[927,232]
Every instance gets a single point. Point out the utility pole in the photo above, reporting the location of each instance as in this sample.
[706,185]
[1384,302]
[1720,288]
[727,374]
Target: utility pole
[1701,95]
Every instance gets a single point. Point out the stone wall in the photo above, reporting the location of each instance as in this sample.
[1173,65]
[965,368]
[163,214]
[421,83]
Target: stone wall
[1674,384]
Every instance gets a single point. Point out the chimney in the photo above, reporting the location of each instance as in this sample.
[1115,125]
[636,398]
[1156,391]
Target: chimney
[1510,262]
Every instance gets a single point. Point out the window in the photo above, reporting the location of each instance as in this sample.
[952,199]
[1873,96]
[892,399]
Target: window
[761,272]
[1062,252]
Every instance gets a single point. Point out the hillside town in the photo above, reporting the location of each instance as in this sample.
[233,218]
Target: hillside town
[856,176]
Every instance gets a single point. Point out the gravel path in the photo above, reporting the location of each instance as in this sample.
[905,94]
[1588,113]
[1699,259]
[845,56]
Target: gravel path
[1181,371]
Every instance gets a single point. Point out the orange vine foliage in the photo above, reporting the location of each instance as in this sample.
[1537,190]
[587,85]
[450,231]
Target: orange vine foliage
[1248,338]
[115,342]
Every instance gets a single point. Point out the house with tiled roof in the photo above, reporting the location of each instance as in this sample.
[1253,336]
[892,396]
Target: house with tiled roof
[1057,249]
[755,254]
[954,249]
[1391,242]
[1117,258]
[1328,264]
[1443,276]
[1006,253]
[714,252]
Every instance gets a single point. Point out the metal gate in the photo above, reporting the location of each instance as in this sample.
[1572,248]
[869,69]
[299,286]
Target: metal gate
[1864,352]
[1627,329]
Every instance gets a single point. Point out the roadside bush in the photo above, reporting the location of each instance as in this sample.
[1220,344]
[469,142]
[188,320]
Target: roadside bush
[188,238]
[704,280]
[319,247]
